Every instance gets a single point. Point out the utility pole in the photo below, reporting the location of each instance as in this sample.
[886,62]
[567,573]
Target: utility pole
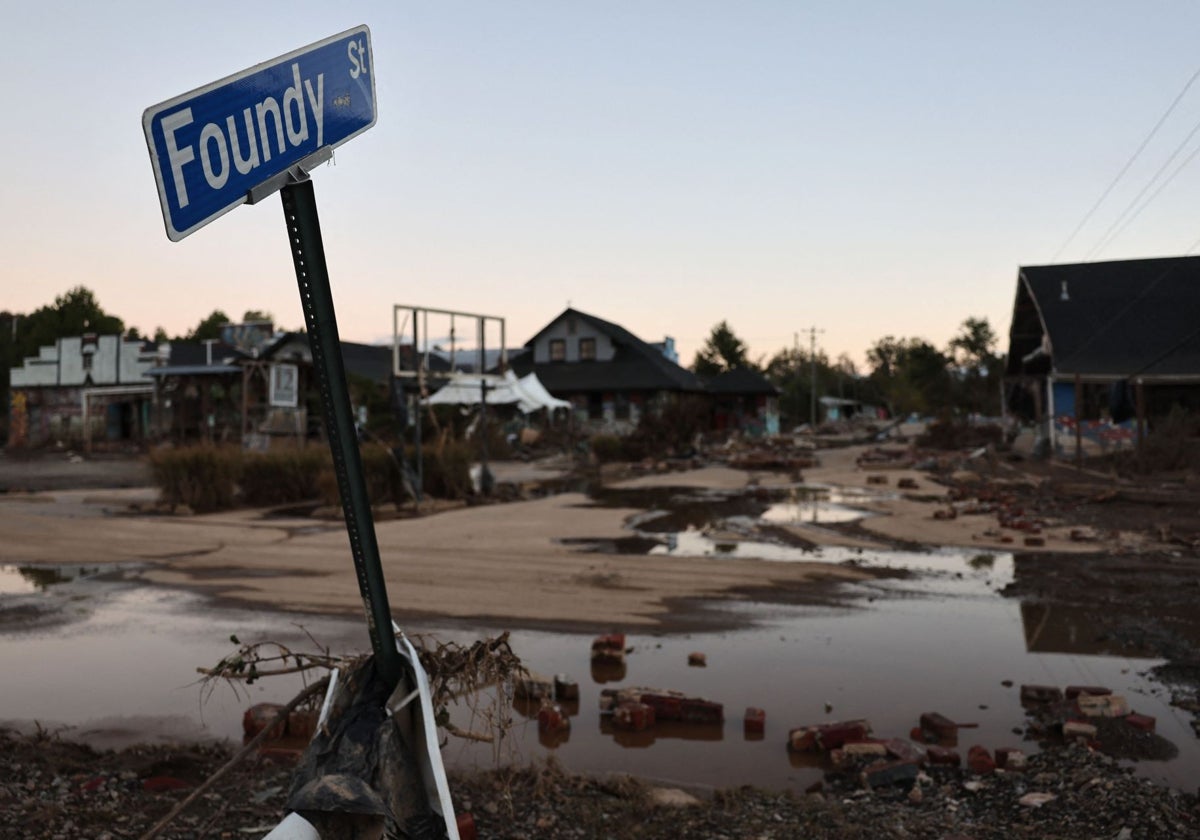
[796,356]
[812,354]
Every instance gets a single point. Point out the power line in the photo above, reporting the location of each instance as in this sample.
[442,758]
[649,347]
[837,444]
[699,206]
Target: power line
[1108,235]
[1153,196]
[1087,216]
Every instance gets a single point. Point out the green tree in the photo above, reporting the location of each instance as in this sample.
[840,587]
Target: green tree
[209,327]
[722,351]
[978,368]
[74,313]
[911,375]
[256,315]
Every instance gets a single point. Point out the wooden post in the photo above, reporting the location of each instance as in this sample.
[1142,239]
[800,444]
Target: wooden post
[245,401]
[1078,422]
[1140,397]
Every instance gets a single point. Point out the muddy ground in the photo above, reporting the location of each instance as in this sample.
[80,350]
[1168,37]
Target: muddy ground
[1130,576]
[53,788]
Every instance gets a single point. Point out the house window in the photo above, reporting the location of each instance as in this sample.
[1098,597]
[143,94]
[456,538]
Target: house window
[587,349]
[558,350]
[87,361]
[595,406]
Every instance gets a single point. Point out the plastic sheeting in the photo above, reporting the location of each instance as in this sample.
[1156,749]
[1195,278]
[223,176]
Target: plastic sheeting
[527,393]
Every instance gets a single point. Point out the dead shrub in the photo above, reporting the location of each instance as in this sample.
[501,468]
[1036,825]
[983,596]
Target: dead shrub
[205,478]
[281,477]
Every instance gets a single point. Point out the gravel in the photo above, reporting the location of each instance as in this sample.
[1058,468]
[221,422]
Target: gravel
[52,788]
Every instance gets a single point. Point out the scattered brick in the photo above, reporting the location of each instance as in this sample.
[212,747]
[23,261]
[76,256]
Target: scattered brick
[1040,695]
[755,721]
[943,756]
[980,761]
[1146,723]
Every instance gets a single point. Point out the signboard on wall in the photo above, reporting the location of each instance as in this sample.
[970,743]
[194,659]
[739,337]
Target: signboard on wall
[285,391]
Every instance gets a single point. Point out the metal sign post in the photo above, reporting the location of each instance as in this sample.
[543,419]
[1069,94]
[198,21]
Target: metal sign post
[316,297]
[237,141]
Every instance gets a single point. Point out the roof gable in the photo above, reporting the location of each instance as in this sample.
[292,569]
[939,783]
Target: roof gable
[1120,318]
[636,365]
[741,380]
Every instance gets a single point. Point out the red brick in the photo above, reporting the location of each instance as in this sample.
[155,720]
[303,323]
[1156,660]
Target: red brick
[1010,758]
[980,761]
[259,716]
[666,706]
[466,826]
[702,711]
[1142,722]
[1074,691]
[552,719]
[565,688]
[302,724]
[636,717]
[939,725]
[609,648]
[1038,695]
[831,735]
[755,720]
[943,756]
[803,739]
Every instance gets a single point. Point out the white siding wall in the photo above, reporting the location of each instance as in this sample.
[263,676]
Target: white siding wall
[115,362]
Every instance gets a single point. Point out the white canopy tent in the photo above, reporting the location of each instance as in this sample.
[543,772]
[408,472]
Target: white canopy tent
[527,393]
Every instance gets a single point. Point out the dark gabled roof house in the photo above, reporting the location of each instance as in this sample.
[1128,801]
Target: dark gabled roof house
[741,381]
[578,353]
[1093,345]
[1108,321]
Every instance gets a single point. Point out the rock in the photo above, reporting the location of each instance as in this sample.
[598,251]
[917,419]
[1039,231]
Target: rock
[672,798]
[1036,800]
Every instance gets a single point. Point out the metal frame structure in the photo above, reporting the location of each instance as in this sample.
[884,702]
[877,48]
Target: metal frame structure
[420,326]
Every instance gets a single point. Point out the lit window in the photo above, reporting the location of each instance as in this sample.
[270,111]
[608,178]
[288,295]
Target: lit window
[558,350]
[587,349]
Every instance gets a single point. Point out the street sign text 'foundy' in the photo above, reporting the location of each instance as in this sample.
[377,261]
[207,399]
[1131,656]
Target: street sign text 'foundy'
[210,147]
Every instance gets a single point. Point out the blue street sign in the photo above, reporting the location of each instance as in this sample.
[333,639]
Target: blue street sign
[212,146]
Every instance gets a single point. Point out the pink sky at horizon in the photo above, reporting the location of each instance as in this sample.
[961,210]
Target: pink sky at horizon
[867,169]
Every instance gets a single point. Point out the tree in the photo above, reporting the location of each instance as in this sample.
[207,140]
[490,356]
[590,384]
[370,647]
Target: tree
[972,347]
[721,352]
[978,367]
[74,313]
[256,315]
[912,375]
[209,327]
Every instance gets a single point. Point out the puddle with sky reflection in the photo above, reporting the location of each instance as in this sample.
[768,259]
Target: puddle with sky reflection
[941,639]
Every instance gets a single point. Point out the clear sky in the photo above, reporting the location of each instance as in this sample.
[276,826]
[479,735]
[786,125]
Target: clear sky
[870,168]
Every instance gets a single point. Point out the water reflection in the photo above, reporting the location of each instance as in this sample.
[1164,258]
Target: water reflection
[17,580]
[662,730]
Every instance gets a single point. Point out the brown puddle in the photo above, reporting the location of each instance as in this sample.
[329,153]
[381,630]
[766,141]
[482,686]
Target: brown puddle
[940,639]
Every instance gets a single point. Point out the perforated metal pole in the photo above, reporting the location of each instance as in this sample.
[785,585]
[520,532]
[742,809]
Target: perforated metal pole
[308,255]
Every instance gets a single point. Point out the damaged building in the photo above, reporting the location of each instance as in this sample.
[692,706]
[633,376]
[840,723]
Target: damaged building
[1098,351]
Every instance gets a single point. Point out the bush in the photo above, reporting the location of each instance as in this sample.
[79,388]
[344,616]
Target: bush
[671,431]
[205,478]
[956,434]
[607,448]
[282,476]
[446,468]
